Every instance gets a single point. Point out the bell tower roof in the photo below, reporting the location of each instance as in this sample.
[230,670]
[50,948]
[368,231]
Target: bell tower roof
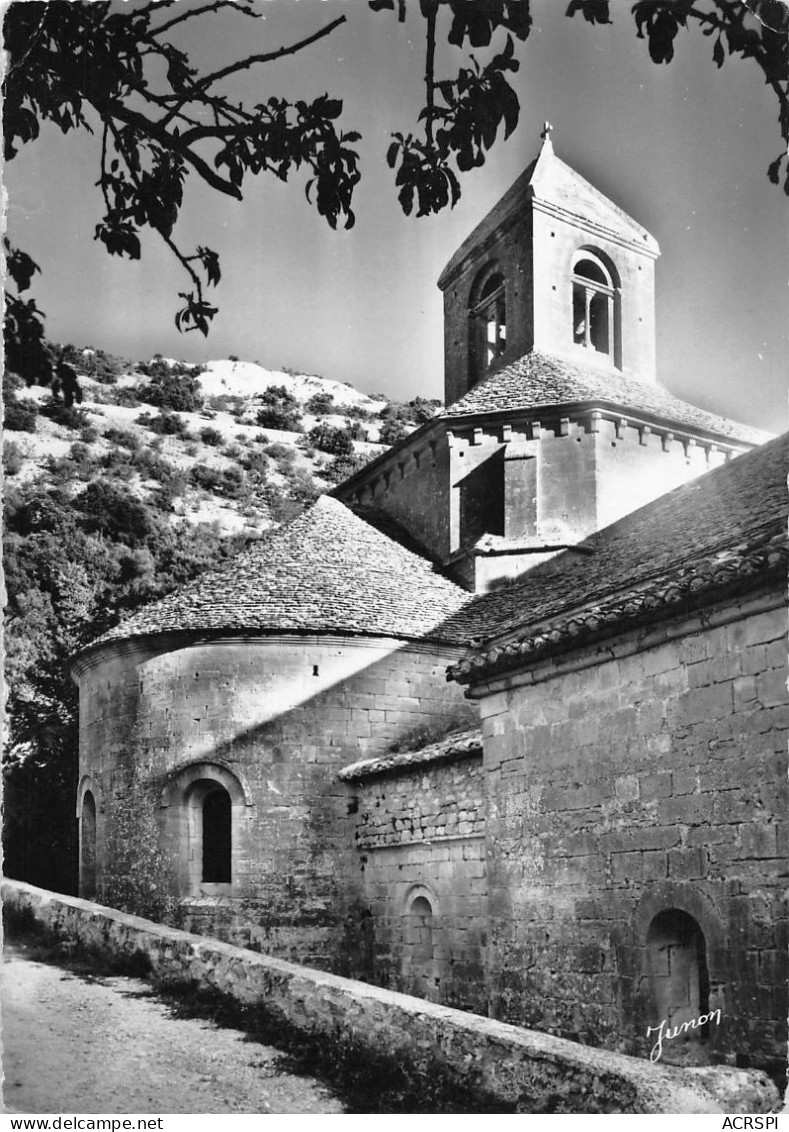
[550,184]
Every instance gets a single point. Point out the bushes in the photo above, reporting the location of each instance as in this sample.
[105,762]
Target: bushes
[171,387]
[343,467]
[102,367]
[416,412]
[279,409]
[212,437]
[13,458]
[115,513]
[392,431]
[255,463]
[282,453]
[337,441]
[20,415]
[68,416]
[358,412]
[165,424]
[320,404]
[230,482]
[122,395]
[123,437]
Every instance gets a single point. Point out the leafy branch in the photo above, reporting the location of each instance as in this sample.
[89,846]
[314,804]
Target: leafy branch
[758,30]
[463,115]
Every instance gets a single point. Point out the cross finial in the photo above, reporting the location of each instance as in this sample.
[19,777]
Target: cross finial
[547,130]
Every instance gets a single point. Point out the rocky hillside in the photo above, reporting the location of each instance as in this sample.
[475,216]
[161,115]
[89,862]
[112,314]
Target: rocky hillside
[230,443]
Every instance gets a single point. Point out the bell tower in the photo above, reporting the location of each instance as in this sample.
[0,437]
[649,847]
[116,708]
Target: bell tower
[556,268]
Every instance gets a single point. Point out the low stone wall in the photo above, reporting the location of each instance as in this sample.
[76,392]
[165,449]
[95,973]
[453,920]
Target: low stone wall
[526,1071]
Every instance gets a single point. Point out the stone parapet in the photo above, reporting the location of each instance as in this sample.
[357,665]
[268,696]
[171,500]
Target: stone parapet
[524,1070]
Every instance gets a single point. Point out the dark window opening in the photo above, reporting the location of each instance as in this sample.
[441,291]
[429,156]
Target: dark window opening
[216,837]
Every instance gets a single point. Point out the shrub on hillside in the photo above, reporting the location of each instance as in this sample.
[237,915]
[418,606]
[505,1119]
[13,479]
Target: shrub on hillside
[182,394]
[358,413]
[356,430]
[165,424]
[13,458]
[282,453]
[122,437]
[124,396]
[212,436]
[391,431]
[102,367]
[320,404]
[343,467]
[114,512]
[254,462]
[418,411]
[67,416]
[336,441]
[20,415]
[279,409]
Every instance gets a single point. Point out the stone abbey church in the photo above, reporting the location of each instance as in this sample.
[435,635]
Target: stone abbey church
[501,723]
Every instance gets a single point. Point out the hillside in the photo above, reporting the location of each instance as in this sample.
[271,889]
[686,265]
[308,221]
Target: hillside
[160,471]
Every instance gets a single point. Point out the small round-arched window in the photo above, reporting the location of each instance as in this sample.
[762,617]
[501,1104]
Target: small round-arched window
[217,837]
[595,305]
[210,833]
[487,322]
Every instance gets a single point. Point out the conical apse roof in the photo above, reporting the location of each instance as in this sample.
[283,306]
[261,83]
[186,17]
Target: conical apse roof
[328,571]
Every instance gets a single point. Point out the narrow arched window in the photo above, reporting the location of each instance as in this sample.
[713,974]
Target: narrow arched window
[87,847]
[487,323]
[594,298]
[217,837]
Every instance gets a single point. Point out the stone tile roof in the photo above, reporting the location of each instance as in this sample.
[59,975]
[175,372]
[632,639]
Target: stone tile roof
[459,744]
[538,381]
[328,571]
[724,532]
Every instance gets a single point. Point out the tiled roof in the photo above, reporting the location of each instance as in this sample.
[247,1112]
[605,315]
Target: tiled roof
[725,529]
[459,744]
[538,381]
[328,571]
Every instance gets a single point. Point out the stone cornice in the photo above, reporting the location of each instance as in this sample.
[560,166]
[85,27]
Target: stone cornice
[696,587]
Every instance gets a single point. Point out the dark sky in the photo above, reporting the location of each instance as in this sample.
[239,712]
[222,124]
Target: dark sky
[683,148]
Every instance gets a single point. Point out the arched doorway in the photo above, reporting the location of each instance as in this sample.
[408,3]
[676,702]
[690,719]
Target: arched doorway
[87,847]
[419,947]
[680,986]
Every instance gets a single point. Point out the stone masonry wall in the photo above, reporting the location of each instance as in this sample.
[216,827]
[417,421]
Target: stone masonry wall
[421,834]
[277,717]
[520,1070]
[647,776]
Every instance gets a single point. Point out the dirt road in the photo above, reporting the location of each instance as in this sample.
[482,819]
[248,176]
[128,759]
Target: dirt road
[79,1044]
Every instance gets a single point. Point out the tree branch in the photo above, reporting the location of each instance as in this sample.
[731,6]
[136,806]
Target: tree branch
[430,15]
[171,143]
[201,11]
[243,64]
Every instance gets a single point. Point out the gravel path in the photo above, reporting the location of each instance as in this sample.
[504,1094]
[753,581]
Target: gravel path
[78,1044]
